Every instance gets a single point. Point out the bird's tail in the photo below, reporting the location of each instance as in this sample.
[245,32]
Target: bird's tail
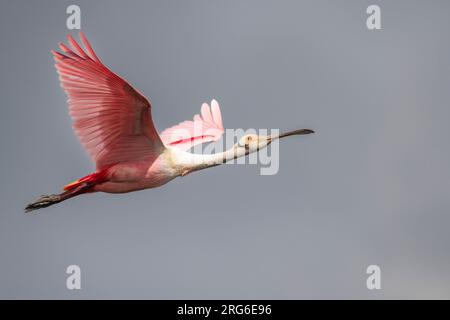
[71,190]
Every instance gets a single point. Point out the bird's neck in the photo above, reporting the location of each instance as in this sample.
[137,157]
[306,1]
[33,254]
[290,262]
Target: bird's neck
[188,162]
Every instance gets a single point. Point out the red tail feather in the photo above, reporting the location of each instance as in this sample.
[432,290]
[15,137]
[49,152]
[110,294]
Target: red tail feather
[93,178]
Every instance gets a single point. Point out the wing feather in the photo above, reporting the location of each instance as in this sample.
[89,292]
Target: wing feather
[111,118]
[206,127]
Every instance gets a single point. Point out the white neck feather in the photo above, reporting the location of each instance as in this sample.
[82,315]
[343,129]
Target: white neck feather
[188,162]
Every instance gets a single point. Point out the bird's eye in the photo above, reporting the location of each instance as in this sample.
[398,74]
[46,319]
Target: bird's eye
[246,141]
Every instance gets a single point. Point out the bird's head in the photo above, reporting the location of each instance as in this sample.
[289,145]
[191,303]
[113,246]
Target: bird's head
[252,142]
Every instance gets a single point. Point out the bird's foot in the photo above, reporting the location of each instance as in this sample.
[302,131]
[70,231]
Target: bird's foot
[43,201]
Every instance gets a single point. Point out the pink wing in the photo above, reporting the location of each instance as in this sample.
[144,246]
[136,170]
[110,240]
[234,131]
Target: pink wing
[206,127]
[111,118]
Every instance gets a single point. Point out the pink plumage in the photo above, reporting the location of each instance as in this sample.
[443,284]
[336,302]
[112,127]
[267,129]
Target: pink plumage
[206,127]
[110,117]
[114,124]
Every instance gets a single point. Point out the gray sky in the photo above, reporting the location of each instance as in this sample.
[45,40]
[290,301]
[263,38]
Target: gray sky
[370,187]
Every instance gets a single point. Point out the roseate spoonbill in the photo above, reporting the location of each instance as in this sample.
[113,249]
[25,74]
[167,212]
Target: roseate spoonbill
[114,124]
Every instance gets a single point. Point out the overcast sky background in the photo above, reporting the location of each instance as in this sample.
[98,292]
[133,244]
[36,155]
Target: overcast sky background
[370,187]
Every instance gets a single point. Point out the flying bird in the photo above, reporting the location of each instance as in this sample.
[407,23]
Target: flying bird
[114,124]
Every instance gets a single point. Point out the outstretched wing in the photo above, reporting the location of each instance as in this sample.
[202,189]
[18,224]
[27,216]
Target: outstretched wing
[110,117]
[206,127]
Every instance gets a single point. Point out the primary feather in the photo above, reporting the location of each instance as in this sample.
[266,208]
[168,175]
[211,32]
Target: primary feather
[206,127]
[110,117]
